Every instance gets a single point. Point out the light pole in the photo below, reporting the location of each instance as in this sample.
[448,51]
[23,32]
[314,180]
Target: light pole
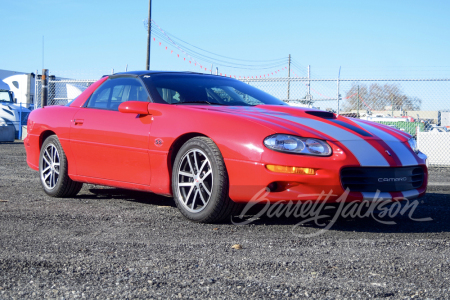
[149,33]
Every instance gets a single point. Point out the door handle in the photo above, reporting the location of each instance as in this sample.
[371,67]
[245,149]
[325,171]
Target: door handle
[78,121]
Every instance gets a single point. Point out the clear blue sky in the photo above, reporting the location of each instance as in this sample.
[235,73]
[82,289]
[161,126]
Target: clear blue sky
[367,38]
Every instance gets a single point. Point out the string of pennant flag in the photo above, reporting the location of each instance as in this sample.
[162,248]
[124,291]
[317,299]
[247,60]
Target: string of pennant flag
[189,59]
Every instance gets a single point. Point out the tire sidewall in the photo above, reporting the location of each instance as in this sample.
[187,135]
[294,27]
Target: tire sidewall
[217,191]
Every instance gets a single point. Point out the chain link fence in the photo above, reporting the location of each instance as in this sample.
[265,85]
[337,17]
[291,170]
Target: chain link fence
[420,107]
[61,92]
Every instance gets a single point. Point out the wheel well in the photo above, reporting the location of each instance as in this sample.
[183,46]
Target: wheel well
[43,136]
[176,146]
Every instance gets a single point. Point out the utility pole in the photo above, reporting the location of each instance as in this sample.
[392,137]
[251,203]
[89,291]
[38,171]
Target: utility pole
[289,76]
[149,33]
[44,82]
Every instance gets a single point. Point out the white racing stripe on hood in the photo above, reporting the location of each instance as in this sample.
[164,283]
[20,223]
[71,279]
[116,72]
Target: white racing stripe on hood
[365,153]
[400,149]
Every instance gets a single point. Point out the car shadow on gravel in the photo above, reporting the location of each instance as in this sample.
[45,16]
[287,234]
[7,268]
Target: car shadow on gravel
[431,215]
[128,195]
[10,143]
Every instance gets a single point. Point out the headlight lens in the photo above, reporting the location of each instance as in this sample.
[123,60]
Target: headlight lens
[293,144]
[413,144]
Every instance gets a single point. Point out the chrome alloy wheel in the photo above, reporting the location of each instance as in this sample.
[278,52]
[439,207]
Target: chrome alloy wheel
[195,180]
[50,166]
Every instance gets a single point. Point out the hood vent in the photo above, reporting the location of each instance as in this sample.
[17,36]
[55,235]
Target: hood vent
[321,114]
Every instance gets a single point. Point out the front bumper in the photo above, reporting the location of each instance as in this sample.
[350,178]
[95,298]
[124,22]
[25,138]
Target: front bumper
[249,179]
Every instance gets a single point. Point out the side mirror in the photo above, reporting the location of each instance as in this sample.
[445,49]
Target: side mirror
[134,107]
[15,100]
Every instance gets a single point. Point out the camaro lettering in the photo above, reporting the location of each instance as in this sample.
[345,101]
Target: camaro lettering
[392,179]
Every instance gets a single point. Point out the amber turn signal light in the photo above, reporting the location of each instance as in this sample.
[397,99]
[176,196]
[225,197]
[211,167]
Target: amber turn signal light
[291,170]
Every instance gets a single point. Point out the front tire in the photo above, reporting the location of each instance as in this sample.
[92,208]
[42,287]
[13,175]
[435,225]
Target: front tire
[53,170]
[200,182]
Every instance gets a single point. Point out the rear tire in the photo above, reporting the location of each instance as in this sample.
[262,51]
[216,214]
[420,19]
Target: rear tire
[200,182]
[53,170]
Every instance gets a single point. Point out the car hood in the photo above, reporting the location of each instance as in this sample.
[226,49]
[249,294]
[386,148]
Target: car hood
[370,142]
[312,123]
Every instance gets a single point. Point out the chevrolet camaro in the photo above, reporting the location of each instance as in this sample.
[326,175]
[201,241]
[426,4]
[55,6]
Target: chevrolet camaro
[213,143]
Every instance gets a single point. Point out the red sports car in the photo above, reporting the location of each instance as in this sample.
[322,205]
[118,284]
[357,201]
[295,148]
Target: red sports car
[213,142]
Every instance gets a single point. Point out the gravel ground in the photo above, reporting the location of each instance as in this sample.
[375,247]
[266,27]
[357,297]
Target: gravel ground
[111,243]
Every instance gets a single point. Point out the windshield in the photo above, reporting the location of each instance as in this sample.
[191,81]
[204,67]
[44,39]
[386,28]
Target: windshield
[205,89]
[5,96]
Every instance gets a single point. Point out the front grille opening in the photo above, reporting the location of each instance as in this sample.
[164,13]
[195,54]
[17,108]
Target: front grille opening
[371,179]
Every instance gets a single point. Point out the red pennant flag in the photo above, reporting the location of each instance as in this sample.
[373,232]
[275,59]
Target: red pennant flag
[184,58]
[189,61]
[220,74]
[171,51]
[154,39]
[178,55]
[166,48]
[205,69]
[272,73]
[201,67]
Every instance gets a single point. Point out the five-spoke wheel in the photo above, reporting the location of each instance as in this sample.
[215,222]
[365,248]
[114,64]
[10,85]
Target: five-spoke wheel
[200,182]
[195,180]
[50,166]
[53,170]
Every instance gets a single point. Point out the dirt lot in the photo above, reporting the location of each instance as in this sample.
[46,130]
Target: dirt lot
[111,243]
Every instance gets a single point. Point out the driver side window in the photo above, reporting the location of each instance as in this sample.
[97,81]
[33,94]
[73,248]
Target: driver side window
[115,91]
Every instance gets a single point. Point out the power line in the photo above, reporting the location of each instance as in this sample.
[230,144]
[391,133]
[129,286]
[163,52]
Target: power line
[215,60]
[194,54]
[182,41]
[208,59]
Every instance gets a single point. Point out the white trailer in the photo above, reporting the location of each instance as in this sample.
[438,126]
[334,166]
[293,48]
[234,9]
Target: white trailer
[10,111]
[22,88]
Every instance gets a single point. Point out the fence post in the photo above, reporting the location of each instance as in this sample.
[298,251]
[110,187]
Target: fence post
[289,78]
[337,96]
[309,80]
[20,122]
[44,81]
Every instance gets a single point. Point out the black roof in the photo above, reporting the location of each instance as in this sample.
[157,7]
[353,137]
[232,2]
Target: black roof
[146,72]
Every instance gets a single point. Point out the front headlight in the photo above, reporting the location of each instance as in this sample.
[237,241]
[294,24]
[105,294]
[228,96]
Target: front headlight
[413,144]
[297,145]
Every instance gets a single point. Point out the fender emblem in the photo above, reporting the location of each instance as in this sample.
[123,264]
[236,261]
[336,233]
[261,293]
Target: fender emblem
[158,142]
[388,153]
